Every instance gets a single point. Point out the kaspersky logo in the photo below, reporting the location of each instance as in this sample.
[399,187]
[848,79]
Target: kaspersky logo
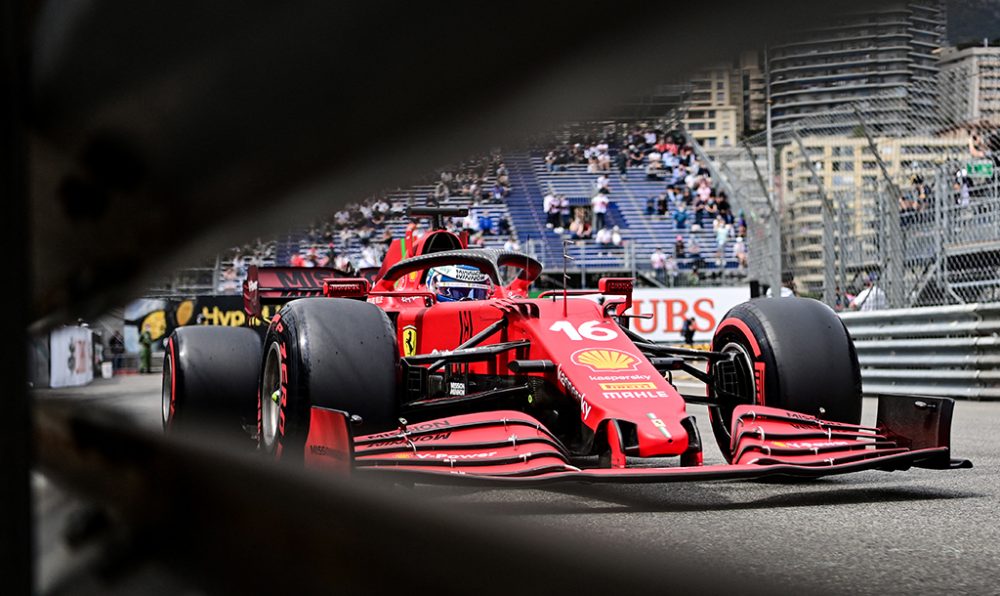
[605,360]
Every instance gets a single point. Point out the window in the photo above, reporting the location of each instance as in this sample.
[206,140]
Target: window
[843,166]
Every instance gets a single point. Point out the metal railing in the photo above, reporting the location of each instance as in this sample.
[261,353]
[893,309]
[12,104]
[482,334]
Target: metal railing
[950,351]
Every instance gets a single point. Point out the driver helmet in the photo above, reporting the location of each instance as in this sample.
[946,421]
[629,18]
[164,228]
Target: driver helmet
[453,283]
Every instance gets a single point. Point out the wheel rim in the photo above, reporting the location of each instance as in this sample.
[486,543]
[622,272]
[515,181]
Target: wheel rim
[166,392]
[742,384]
[270,407]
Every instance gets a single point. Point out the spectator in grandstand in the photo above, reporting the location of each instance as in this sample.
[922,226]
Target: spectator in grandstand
[602,182]
[498,192]
[680,217]
[870,298]
[470,223]
[441,192]
[550,205]
[512,244]
[564,211]
[580,227]
[672,271]
[680,250]
[485,224]
[699,214]
[977,147]
[621,162]
[662,204]
[654,169]
[722,233]
[550,161]
[694,251]
[650,206]
[474,192]
[635,156]
[616,236]
[230,281]
[599,204]
[503,176]
[658,261]
[740,252]
[604,237]
[603,159]
[961,188]
[342,262]
[724,207]
[504,226]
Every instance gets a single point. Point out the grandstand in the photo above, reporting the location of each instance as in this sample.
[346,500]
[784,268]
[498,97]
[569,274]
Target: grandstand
[521,211]
[643,233]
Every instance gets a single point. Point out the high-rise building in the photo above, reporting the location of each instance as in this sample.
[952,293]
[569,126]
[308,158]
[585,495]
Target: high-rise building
[750,85]
[888,50]
[726,101]
[713,115]
[970,85]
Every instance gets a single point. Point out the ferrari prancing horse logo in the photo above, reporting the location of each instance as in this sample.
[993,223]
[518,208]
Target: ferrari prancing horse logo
[409,340]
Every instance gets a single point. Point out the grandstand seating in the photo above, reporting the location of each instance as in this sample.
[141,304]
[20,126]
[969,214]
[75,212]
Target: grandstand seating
[529,182]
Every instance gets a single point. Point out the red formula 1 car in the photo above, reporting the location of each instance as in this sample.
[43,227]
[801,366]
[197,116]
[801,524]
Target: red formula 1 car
[439,369]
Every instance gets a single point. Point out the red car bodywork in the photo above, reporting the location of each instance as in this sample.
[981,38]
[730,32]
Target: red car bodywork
[627,408]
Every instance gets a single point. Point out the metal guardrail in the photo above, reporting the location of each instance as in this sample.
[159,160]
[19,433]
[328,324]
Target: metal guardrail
[951,351]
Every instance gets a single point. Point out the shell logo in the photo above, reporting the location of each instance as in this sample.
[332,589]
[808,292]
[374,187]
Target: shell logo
[605,360]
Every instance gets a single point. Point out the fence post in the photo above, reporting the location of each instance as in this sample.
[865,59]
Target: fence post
[771,272]
[827,215]
[892,265]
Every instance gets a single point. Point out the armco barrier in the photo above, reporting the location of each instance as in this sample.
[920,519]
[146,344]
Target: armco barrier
[951,351]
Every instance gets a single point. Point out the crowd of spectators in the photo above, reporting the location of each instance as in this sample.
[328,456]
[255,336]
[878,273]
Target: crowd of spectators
[357,235]
[233,267]
[689,197]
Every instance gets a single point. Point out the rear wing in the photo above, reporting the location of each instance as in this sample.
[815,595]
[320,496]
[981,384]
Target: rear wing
[275,285]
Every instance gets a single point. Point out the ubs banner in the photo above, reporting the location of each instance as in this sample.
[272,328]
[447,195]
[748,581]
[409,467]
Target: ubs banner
[670,306]
[72,357]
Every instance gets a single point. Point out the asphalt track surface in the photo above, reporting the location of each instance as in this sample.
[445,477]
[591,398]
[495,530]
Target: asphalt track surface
[914,532]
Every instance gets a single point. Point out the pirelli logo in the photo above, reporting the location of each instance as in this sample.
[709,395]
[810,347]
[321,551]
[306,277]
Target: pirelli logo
[627,386]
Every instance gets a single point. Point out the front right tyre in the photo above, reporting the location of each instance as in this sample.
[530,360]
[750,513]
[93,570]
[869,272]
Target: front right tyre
[789,353]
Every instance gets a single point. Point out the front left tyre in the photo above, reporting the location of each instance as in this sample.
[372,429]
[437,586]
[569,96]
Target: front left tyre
[210,378]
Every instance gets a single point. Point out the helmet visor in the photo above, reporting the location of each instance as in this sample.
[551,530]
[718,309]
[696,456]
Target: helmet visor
[462,291]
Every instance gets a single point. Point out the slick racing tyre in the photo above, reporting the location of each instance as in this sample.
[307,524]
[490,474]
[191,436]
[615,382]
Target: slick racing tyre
[328,352]
[210,379]
[790,353]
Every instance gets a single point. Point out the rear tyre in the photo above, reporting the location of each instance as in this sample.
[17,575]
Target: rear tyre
[790,353]
[333,353]
[210,379]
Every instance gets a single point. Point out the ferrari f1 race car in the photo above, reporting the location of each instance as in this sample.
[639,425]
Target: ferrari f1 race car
[439,368]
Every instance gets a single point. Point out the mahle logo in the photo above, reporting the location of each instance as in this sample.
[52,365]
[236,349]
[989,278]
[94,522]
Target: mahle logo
[605,360]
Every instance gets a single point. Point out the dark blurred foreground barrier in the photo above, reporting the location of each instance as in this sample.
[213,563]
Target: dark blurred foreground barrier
[234,523]
[951,351]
